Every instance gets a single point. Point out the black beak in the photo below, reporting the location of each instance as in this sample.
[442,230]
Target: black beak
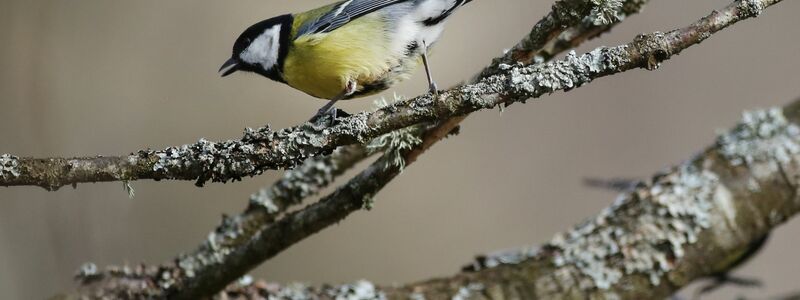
[229,67]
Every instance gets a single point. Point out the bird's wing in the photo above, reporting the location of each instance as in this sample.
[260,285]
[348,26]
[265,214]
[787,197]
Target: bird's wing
[343,13]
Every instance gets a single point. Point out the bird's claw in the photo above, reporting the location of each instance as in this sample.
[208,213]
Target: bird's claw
[433,89]
[332,112]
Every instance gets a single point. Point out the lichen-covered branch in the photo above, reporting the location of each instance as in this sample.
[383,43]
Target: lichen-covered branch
[264,149]
[269,203]
[214,265]
[692,221]
[569,23]
[173,279]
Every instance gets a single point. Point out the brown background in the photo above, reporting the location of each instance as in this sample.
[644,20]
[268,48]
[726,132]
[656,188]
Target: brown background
[85,77]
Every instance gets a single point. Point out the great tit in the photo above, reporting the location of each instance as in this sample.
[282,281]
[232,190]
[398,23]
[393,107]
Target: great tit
[344,50]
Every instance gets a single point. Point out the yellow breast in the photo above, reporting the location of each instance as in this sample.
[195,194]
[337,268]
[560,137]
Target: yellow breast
[322,64]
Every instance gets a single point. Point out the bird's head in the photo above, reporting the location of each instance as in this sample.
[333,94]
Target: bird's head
[261,49]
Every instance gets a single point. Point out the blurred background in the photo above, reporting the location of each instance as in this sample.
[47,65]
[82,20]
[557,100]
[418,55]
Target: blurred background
[85,77]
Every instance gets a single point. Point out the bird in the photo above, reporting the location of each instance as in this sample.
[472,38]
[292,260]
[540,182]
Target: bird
[345,50]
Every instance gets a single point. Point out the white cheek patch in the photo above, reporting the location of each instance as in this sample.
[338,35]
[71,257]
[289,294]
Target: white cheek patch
[264,49]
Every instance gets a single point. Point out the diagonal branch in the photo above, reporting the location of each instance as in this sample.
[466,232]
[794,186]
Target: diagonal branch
[668,192]
[691,221]
[265,149]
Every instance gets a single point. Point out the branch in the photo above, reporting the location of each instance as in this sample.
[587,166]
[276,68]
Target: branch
[690,222]
[264,149]
[432,136]
[569,24]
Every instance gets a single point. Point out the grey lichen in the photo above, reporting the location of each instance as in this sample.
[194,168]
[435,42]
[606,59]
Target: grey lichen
[258,150]
[504,257]
[258,289]
[395,144]
[571,72]
[218,161]
[360,290]
[297,184]
[752,7]
[763,140]
[212,252]
[671,214]
[88,272]
[467,292]
[128,188]
[382,102]
[605,12]
[9,166]
[416,296]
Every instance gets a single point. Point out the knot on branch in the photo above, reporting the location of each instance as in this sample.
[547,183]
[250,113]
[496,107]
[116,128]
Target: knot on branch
[654,48]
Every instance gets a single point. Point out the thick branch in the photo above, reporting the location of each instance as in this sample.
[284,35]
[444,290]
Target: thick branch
[692,221]
[645,50]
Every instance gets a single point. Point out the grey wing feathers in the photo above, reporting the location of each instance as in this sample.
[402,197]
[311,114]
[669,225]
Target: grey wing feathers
[343,13]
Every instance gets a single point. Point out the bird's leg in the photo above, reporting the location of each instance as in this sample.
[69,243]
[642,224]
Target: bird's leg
[329,107]
[432,88]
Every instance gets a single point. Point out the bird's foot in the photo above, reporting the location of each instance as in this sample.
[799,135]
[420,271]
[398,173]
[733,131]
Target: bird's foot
[433,89]
[329,115]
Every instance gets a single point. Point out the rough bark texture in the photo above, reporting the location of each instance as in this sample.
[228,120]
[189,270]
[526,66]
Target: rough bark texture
[647,245]
[264,149]
[688,222]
